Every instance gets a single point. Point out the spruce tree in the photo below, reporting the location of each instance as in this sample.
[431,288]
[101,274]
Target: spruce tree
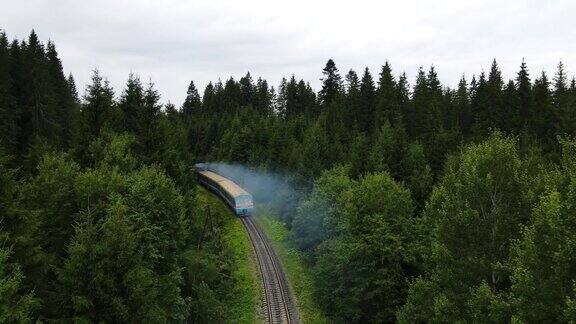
[545,122]
[192,103]
[514,122]
[263,101]
[97,114]
[72,89]
[480,107]
[248,90]
[525,110]
[36,97]
[352,99]
[131,104]
[366,108]
[464,113]
[387,107]
[494,108]
[66,112]
[8,112]
[209,104]
[331,84]
[416,115]
[148,131]
[403,98]
[435,98]
[566,114]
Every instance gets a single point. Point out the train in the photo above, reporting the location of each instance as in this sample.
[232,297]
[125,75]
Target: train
[238,199]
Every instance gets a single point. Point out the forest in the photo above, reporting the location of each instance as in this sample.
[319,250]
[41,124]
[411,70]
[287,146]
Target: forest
[411,203]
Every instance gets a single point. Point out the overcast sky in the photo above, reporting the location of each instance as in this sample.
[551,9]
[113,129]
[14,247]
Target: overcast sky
[175,41]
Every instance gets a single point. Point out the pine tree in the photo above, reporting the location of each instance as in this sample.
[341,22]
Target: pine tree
[416,120]
[331,84]
[263,102]
[131,104]
[36,98]
[248,90]
[306,99]
[97,114]
[366,109]
[387,107]
[192,103]
[464,113]
[514,121]
[435,98]
[209,104]
[8,111]
[566,114]
[148,131]
[66,108]
[292,105]
[494,109]
[72,89]
[545,123]
[352,99]
[480,107]
[282,97]
[525,99]
[403,98]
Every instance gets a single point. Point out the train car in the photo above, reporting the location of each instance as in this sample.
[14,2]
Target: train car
[237,198]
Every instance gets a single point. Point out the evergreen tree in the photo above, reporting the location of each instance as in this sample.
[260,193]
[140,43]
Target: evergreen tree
[366,109]
[8,112]
[149,135]
[544,121]
[387,107]
[525,99]
[72,89]
[97,114]
[15,306]
[36,98]
[352,99]
[403,97]
[464,113]
[480,102]
[331,84]
[415,119]
[264,97]
[564,110]
[131,104]
[248,90]
[66,108]
[192,103]
[515,121]
[495,85]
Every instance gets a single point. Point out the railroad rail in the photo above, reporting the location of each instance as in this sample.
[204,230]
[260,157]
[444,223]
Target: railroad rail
[277,301]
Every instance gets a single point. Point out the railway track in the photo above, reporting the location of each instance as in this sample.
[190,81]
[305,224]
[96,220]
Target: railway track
[277,301]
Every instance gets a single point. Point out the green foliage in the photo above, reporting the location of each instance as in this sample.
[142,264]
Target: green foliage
[543,261]
[15,305]
[473,216]
[359,232]
[128,254]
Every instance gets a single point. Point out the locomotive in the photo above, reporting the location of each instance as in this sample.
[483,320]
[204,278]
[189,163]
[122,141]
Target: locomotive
[234,196]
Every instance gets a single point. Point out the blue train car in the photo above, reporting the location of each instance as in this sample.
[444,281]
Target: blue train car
[237,198]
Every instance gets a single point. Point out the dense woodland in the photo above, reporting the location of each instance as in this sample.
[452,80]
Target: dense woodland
[411,203]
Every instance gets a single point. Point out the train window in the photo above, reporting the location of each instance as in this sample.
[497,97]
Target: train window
[243,200]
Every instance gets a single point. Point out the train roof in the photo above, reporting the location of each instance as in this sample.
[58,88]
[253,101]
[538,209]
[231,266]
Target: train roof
[230,186]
